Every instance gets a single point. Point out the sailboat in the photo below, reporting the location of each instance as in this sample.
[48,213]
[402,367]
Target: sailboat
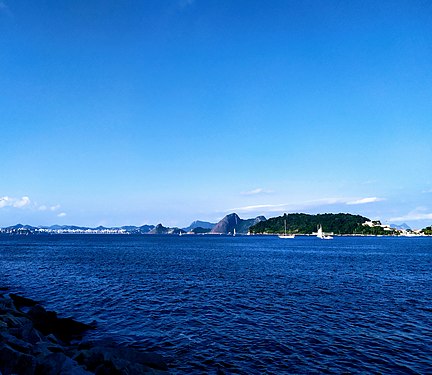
[322,235]
[285,235]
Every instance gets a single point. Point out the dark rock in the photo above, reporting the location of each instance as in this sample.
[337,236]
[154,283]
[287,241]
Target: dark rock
[91,359]
[6,305]
[44,348]
[52,338]
[22,328]
[38,342]
[65,329]
[58,363]
[133,356]
[107,368]
[15,362]
[17,321]
[16,343]
[83,345]
[22,301]
[124,360]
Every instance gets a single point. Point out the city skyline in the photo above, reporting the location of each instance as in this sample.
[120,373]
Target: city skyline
[180,110]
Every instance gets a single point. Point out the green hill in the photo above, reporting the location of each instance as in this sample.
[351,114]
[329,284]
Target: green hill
[427,230]
[307,224]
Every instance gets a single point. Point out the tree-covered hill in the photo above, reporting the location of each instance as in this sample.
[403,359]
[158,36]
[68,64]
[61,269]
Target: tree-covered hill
[427,230]
[307,224]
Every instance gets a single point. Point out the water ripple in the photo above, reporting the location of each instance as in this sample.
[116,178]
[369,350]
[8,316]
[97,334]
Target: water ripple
[241,305]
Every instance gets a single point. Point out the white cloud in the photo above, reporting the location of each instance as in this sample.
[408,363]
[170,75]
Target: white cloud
[61,214]
[365,200]
[26,203]
[4,201]
[257,191]
[23,202]
[14,202]
[413,216]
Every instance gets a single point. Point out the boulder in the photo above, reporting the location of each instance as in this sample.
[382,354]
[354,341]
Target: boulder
[58,364]
[15,343]
[14,362]
[65,329]
[115,360]
[20,302]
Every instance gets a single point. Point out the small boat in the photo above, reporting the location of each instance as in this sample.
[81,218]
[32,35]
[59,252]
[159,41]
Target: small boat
[322,235]
[285,235]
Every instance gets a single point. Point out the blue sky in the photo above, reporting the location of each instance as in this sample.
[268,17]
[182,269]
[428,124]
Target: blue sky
[135,112]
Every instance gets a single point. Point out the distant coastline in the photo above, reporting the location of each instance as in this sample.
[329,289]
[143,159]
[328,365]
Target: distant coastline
[341,224]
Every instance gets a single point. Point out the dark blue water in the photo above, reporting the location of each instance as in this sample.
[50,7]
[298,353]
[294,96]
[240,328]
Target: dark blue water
[247,305]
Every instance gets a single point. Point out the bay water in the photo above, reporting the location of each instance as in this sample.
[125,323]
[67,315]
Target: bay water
[240,305]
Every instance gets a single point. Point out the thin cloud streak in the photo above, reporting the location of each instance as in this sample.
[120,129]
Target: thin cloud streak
[365,200]
[290,206]
[258,191]
[296,206]
[412,216]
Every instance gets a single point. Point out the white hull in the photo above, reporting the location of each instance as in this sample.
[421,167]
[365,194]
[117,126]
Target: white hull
[326,238]
[285,235]
[321,234]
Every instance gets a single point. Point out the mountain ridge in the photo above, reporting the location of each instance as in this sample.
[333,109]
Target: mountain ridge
[233,222]
[299,223]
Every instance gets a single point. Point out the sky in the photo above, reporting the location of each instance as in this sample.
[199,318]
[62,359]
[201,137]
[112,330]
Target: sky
[139,112]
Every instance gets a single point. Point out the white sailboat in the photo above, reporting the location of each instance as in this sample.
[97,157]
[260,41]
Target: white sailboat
[285,235]
[322,235]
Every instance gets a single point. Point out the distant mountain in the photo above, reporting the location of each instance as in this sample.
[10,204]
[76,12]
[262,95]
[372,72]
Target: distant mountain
[20,226]
[160,229]
[233,221]
[144,229]
[403,226]
[19,229]
[54,229]
[199,224]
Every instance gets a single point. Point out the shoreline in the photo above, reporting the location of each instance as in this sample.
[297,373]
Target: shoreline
[37,341]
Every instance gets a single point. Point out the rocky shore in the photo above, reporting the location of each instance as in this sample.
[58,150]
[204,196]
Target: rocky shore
[37,341]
